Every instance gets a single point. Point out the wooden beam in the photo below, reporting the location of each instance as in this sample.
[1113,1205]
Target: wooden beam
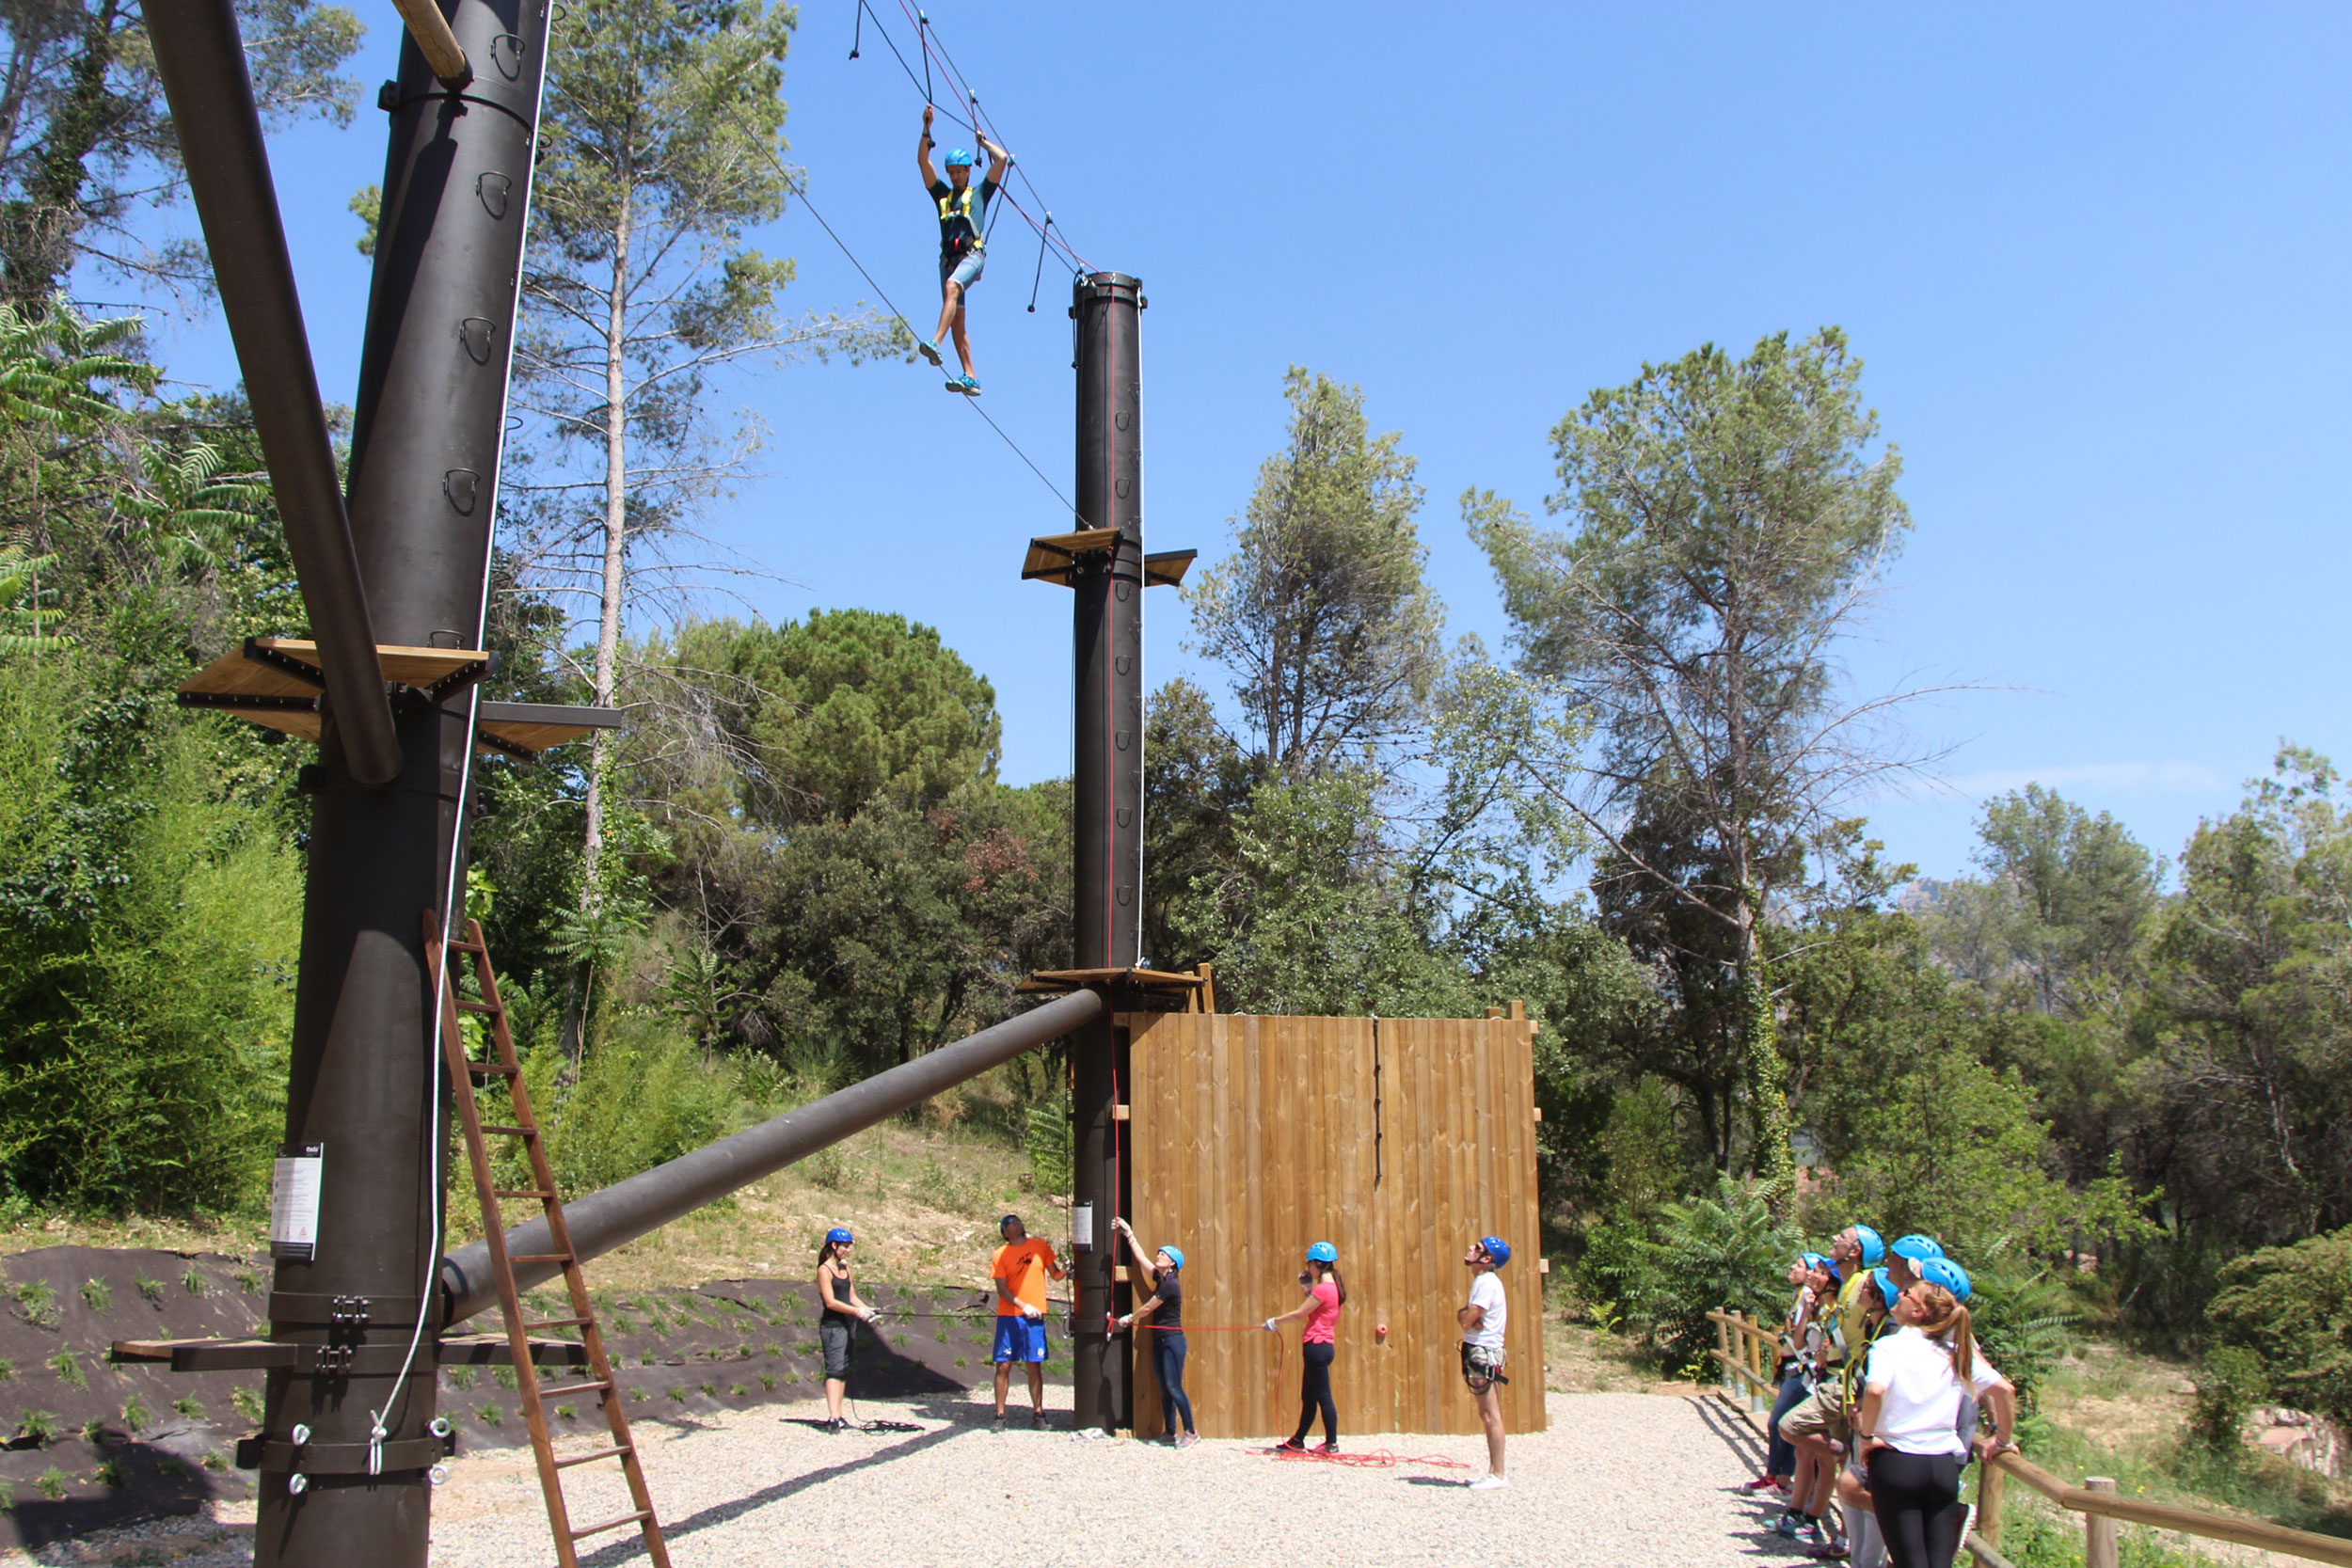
[435,41]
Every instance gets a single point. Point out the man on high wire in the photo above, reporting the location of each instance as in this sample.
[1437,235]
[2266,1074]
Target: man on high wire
[962,240]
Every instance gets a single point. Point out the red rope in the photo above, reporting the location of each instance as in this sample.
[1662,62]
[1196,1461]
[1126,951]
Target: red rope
[1374,1459]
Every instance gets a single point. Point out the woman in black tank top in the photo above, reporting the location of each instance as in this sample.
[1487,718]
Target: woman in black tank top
[836,1329]
[1161,1320]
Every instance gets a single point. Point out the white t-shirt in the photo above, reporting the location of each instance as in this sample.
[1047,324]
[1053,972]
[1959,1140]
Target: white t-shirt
[1486,1291]
[1920,1412]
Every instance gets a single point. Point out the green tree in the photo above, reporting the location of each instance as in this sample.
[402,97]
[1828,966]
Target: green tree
[2070,894]
[85,136]
[663,138]
[1730,518]
[2292,1307]
[1320,612]
[2248,1007]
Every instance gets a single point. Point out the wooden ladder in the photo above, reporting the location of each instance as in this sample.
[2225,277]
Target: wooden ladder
[464,1070]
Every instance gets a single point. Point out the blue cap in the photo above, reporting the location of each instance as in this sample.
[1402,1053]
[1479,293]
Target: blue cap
[1944,1272]
[1873,1249]
[838,1234]
[1175,1257]
[1498,1251]
[1323,1252]
[1918,1249]
[1888,1290]
[1009,1219]
[1812,1260]
[959,157]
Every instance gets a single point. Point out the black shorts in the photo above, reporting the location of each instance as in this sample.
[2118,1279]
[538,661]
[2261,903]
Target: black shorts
[838,1336]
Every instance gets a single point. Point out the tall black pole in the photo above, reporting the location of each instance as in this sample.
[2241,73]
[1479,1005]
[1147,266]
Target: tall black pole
[423,489]
[1108,801]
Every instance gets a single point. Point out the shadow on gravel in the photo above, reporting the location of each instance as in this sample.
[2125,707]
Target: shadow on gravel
[956,1414]
[1737,1435]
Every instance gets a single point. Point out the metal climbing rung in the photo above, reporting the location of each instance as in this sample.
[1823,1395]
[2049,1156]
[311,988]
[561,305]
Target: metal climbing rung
[505,1068]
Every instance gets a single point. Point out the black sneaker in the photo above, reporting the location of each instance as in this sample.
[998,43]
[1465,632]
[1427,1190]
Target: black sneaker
[1290,1444]
[996,1425]
[1037,1420]
[1326,1449]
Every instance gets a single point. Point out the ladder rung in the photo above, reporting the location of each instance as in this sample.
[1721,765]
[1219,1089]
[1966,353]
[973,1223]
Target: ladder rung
[492,1069]
[467,947]
[566,1461]
[467,1005]
[559,1323]
[562,1389]
[614,1523]
[520,1191]
[498,1131]
[538,1256]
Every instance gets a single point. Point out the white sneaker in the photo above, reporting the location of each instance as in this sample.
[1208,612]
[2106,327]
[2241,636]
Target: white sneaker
[1488,1484]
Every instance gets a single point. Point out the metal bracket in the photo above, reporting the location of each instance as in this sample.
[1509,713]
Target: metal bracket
[263,1452]
[237,701]
[285,664]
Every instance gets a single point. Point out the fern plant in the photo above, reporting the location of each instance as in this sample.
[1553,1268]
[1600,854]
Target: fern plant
[1709,1254]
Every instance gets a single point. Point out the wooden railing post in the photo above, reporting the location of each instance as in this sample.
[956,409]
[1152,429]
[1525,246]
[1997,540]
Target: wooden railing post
[1722,1353]
[1991,1482]
[2101,1538]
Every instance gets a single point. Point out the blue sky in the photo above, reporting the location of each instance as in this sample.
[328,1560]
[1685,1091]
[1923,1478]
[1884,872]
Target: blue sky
[2093,256]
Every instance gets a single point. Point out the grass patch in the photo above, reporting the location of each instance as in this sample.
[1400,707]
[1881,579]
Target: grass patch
[152,1289]
[53,1482]
[37,1426]
[190,1406]
[194,1281]
[505,1377]
[768,1381]
[68,1369]
[36,1303]
[99,1298]
[135,1416]
[489,1414]
[110,1473]
[463,1378]
[248,1403]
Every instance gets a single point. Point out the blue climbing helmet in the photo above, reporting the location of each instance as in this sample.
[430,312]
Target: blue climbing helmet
[1873,1248]
[1175,1257]
[1889,1292]
[1918,1249]
[959,157]
[841,1234]
[1498,1251]
[1813,1259]
[1323,1252]
[1944,1272]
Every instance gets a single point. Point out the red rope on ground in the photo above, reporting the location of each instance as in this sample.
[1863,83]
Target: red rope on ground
[1373,1459]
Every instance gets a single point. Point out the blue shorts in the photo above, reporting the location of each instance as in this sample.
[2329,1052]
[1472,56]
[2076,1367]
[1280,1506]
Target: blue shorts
[962,271]
[1020,1339]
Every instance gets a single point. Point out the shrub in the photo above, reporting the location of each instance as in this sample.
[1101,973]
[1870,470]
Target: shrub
[37,1303]
[193,1281]
[68,1369]
[152,1289]
[190,1406]
[135,1416]
[1052,1154]
[2292,1307]
[489,1414]
[1729,1251]
[53,1483]
[37,1428]
[95,1292]
[248,1403]
[2229,1383]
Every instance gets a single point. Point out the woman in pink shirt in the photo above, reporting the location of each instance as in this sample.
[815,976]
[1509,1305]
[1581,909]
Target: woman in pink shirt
[1326,1292]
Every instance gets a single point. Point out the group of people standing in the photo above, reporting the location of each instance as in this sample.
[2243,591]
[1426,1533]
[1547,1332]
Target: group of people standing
[1882,1397]
[1024,1265]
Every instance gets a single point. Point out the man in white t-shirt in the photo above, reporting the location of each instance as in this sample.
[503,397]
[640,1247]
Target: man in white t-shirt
[1483,1323]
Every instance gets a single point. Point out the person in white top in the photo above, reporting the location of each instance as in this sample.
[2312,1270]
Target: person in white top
[1483,1323]
[1915,1386]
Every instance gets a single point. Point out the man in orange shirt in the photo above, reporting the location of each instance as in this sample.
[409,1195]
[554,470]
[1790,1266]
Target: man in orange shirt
[1019,1270]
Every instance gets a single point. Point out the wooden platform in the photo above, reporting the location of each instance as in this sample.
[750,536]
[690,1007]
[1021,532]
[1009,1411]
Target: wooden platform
[1055,557]
[1157,982]
[276,681]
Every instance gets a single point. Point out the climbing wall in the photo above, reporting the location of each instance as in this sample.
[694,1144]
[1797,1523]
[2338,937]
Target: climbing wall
[1399,1141]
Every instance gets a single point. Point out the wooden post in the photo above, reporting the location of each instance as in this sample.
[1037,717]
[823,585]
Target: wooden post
[1991,1482]
[2102,1540]
[1208,986]
[1722,1353]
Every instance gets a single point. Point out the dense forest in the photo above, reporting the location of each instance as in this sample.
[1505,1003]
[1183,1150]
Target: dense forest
[2115,1073]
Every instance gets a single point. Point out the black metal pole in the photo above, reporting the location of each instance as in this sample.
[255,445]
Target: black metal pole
[626,1210]
[423,485]
[1108,801]
[201,61]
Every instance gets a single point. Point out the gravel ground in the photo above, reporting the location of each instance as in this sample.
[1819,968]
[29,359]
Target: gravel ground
[1619,1480]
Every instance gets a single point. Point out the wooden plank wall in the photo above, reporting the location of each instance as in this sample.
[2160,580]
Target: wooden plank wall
[1399,1142]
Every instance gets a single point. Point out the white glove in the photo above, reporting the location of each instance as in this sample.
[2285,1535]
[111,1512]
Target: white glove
[1269,1325]
[1031,1312]
[1127,1321]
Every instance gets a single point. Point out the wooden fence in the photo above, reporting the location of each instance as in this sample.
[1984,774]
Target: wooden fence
[1747,1348]
[1399,1141]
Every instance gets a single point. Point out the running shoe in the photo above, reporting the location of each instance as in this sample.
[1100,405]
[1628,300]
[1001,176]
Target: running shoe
[1188,1439]
[1763,1483]
[1037,1420]
[1831,1551]
[1327,1449]
[928,349]
[1290,1444]
[1488,1484]
[968,385]
[1810,1535]
[1792,1524]
[996,1425]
